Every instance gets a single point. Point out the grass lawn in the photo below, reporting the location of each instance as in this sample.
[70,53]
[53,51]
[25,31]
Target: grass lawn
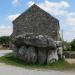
[60,65]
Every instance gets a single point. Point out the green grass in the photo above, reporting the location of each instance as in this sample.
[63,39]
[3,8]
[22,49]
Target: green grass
[60,65]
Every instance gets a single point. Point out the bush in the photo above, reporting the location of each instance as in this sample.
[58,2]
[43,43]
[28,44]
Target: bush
[4,40]
[73,45]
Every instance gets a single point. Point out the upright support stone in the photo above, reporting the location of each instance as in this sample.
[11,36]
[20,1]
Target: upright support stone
[30,55]
[15,50]
[52,56]
[22,52]
[42,56]
[60,54]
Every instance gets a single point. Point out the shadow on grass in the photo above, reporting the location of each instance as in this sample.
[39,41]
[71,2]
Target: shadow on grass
[59,65]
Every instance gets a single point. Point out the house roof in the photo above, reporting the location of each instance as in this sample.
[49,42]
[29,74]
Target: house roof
[34,7]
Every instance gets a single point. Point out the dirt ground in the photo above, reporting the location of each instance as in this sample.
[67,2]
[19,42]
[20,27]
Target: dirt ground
[13,70]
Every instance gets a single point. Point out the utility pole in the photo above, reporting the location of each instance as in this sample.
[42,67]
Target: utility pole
[62,38]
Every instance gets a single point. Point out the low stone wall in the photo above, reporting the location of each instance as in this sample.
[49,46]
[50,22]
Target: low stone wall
[69,54]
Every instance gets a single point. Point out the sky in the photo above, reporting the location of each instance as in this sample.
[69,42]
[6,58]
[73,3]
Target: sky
[63,10]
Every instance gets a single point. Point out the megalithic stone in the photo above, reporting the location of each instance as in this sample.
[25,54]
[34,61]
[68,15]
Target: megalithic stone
[42,55]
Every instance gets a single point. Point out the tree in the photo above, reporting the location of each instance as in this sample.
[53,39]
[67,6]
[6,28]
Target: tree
[66,46]
[73,45]
[4,40]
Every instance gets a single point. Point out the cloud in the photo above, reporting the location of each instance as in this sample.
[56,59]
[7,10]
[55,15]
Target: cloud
[73,29]
[56,4]
[55,8]
[15,2]
[70,20]
[69,35]
[13,17]
[30,3]
[5,30]
[72,14]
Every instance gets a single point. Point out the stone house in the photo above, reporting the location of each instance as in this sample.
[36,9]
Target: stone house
[37,21]
[34,34]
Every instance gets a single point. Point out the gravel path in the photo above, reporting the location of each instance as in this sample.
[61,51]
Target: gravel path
[13,70]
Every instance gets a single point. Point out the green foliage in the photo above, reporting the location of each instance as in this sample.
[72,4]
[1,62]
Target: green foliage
[69,46]
[66,46]
[4,40]
[73,45]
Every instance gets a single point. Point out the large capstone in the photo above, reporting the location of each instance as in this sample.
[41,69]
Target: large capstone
[34,40]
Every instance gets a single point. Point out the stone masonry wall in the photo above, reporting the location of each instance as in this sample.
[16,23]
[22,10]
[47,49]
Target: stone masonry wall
[36,21]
